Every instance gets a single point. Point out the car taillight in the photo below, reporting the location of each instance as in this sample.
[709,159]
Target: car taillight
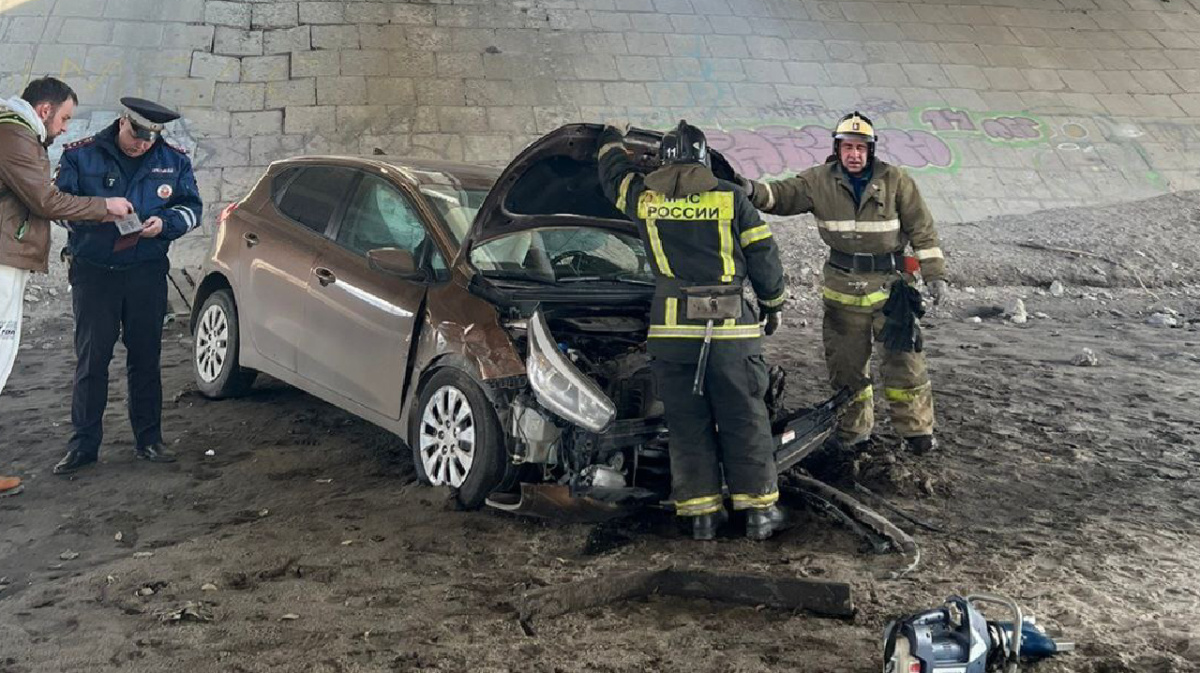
[226,213]
[914,667]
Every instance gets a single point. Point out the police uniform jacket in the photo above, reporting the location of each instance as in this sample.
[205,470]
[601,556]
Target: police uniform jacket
[699,231]
[163,186]
[890,216]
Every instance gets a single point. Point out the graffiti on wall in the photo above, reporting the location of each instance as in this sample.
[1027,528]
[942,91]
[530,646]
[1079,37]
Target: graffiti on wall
[925,143]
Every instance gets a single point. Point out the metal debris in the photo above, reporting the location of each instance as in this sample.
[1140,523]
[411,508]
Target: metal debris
[291,616]
[191,611]
[69,555]
[143,554]
[1086,358]
[1162,320]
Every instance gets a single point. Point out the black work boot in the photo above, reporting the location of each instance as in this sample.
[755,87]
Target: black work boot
[836,442]
[704,526]
[155,453]
[921,444]
[763,522]
[74,460]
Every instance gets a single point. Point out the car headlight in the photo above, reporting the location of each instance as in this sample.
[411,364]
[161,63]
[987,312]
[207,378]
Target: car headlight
[560,386]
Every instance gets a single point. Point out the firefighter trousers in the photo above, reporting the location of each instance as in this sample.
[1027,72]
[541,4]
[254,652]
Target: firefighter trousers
[727,428]
[849,335]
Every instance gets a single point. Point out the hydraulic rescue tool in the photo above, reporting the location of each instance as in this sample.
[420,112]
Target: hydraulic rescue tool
[956,638]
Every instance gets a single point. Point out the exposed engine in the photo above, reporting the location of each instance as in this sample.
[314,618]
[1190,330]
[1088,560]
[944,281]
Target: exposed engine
[610,352]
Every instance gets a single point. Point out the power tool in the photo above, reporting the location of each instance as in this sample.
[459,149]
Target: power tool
[956,638]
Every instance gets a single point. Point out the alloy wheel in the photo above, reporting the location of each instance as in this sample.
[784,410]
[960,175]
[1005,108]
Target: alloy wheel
[447,437]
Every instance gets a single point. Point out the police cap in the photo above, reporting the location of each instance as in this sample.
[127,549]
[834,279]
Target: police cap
[147,118]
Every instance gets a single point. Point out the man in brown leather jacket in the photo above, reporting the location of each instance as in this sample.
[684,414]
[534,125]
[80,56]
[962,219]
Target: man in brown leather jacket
[29,200]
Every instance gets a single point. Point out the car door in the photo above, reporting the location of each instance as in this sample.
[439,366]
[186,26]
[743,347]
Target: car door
[283,240]
[361,321]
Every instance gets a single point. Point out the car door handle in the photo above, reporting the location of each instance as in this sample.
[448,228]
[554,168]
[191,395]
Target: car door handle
[251,239]
[324,276]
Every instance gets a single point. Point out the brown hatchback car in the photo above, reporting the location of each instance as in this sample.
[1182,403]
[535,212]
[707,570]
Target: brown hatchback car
[495,320]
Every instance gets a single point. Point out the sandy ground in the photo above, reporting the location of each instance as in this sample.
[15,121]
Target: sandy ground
[1068,487]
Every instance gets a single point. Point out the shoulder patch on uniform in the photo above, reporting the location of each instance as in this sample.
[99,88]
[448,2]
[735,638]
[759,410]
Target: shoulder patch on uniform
[80,143]
[177,148]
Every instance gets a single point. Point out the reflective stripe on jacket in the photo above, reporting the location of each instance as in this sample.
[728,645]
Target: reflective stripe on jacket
[698,231]
[891,216]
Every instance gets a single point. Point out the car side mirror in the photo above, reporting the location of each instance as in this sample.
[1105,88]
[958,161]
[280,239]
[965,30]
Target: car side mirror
[396,262]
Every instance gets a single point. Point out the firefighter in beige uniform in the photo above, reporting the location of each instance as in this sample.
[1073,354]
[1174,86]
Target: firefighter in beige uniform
[867,212]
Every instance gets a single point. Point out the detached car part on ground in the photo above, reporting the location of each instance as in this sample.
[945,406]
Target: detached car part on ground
[495,320]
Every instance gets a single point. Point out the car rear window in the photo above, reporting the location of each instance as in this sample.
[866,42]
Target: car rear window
[312,196]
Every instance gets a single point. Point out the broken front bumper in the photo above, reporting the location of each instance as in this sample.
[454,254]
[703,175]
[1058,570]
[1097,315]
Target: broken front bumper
[797,434]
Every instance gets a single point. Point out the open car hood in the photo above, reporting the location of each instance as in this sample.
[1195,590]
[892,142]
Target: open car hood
[555,182]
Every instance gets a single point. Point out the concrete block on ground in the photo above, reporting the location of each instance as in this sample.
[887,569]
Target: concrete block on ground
[205,122]
[390,91]
[440,92]
[285,40]
[291,93]
[223,13]
[223,152]
[307,120]
[274,15]
[462,120]
[274,68]
[180,36]
[237,42]
[341,90]
[265,123]
[215,67]
[240,97]
[335,37]
[312,13]
[184,92]
[316,64]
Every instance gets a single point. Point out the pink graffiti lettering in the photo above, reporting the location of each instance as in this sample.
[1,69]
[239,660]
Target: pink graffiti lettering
[771,150]
[778,150]
[948,119]
[913,149]
[1012,128]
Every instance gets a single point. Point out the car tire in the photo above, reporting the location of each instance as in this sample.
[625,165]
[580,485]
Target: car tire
[456,439]
[215,358]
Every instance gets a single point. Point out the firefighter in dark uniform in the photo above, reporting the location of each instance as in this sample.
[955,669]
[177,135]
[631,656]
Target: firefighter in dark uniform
[119,280]
[868,212]
[706,339]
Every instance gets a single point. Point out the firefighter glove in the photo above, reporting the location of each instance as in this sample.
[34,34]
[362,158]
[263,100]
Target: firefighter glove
[745,183]
[772,322]
[901,331]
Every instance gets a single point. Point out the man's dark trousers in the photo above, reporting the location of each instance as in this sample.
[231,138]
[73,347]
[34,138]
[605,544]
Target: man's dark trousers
[727,426]
[129,302]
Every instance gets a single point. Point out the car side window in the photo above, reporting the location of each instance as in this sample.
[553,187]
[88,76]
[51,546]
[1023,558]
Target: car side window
[380,217]
[313,196]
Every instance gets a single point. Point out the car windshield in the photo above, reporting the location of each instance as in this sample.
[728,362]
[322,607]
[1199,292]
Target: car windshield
[456,205]
[564,255]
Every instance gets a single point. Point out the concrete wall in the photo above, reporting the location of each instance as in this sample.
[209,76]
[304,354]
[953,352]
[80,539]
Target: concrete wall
[999,106]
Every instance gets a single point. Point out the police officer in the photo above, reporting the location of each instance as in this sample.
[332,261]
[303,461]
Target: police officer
[705,239]
[119,280]
[867,212]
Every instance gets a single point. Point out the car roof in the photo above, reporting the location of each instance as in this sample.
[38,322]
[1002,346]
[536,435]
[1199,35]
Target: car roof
[418,171]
